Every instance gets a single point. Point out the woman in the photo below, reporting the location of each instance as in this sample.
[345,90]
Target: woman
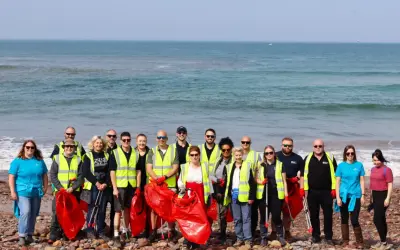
[194,175]
[141,153]
[241,193]
[350,193]
[28,183]
[381,185]
[271,175]
[96,174]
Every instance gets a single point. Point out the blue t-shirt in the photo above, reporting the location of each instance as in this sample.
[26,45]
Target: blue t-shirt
[350,178]
[28,176]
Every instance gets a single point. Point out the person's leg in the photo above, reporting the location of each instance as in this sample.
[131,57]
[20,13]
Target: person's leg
[119,207]
[112,211]
[238,222]
[263,228]
[313,207]
[153,222]
[379,214]
[276,212]
[24,205]
[356,225]
[101,214]
[221,212]
[254,217]
[35,208]
[89,220]
[246,218]
[344,217]
[327,207]
[128,200]
[55,230]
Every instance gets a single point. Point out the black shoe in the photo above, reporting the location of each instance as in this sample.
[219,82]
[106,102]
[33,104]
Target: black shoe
[91,235]
[117,242]
[315,239]
[104,237]
[153,236]
[329,242]
[29,239]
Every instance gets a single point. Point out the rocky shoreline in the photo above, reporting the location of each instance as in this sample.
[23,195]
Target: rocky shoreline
[9,236]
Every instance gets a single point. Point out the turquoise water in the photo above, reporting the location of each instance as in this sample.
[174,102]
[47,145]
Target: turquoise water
[343,93]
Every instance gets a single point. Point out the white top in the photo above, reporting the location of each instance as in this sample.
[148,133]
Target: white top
[194,174]
[236,177]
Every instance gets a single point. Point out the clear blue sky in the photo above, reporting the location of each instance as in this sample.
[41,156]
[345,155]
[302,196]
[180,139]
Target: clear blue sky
[221,20]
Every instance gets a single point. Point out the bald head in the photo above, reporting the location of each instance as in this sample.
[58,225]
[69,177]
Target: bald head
[162,133]
[245,142]
[162,138]
[318,145]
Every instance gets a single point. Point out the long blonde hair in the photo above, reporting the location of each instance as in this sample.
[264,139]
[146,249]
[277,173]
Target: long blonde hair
[94,139]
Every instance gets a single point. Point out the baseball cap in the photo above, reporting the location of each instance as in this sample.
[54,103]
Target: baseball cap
[181,129]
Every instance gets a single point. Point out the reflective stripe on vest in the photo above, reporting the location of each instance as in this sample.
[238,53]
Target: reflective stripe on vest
[215,153]
[252,157]
[78,149]
[126,169]
[278,178]
[244,187]
[331,167]
[88,184]
[162,166]
[204,173]
[67,172]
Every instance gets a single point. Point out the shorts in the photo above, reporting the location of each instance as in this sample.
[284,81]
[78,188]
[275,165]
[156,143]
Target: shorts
[124,199]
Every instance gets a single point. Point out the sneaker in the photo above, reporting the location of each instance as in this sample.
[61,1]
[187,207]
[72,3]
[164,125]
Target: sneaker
[264,242]
[104,237]
[153,236]
[247,243]
[29,239]
[91,235]
[329,242]
[315,240]
[117,242]
[272,236]
[238,243]
[21,241]
[385,245]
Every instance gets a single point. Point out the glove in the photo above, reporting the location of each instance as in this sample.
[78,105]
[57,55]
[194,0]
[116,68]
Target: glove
[302,193]
[265,181]
[287,199]
[333,193]
[221,182]
[293,179]
[137,192]
[161,180]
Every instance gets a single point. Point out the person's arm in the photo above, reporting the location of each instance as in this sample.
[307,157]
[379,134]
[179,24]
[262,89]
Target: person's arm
[53,176]
[11,183]
[253,188]
[138,178]
[389,194]
[45,183]
[338,199]
[181,185]
[87,172]
[362,184]
[285,184]
[80,179]
[302,175]
[56,151]
[175,166]
[112,166]
[149,166]
[334,163]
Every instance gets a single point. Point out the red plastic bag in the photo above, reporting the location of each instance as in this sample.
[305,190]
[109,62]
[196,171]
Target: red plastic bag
[69,214]
[295,200]
[192,218]
[138,215]
[212,212]
[159,198]
[84,206]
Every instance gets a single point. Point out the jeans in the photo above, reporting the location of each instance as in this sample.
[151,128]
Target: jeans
[101,213]
[29,209]
[242,217]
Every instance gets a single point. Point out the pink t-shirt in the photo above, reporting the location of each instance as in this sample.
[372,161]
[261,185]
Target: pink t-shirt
[379,180]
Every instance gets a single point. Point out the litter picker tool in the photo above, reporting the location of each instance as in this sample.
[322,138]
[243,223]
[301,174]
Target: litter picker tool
[95,210]
[266,206]
[290,214]
[307,212]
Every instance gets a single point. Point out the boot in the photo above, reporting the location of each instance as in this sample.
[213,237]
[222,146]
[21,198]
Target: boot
[279,235]
[359,237]
[345,235]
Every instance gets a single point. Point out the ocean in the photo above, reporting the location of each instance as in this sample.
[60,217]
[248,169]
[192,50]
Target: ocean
[342,93]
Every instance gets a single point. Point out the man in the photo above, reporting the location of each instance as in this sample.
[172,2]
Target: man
[294,166]
[209,151]
[181,145]
[65,173]
[69,133]
[218,177]
[319,185]
[111,137]
[125,178]
[251,158]
[162,166]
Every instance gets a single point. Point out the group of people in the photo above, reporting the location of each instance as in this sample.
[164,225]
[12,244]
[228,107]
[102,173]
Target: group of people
[254,186]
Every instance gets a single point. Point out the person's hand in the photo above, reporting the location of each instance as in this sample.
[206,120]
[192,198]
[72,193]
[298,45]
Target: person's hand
[251,202]
[302,194]
[70,190]
[339,201]
[333,193]
[103,187]
[387,202]
[160,180]
[115,192]
[98,185]
[305,193]
[362,200]
[137,192]
[14,196]
[287,199]
[221,182]
[265,181]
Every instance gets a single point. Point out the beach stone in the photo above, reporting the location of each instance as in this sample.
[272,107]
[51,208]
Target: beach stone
[95,243]
[10,232]
[231,248]
[75,244]
[110,243]
[275,244]
[50,248]
[57,243]
[162,244]
[86,245]
[244,248]
[43,229]
[104,246]
[143,242]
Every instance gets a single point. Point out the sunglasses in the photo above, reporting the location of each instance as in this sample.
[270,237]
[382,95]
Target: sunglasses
[111,136]
[28,147]
[126,140]
[69,146]
[287,146]
[210,136]
[70,134]
[318,146]
[181,133]
[350,153]
[246,142]
[194,155]
[225,150]
[268,153]
[162,137]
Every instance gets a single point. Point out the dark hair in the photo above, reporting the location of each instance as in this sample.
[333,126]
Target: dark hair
[287,139]
[194,148]
[125,134]
[210,129]
[225,141]
[141,135]
[37,154]
[345,151]
[378,154]
[273,149]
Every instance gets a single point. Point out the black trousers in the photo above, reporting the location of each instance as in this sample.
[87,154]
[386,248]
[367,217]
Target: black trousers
[344,213]
[254,216]
[378,199]
[274,211]
[320,199]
